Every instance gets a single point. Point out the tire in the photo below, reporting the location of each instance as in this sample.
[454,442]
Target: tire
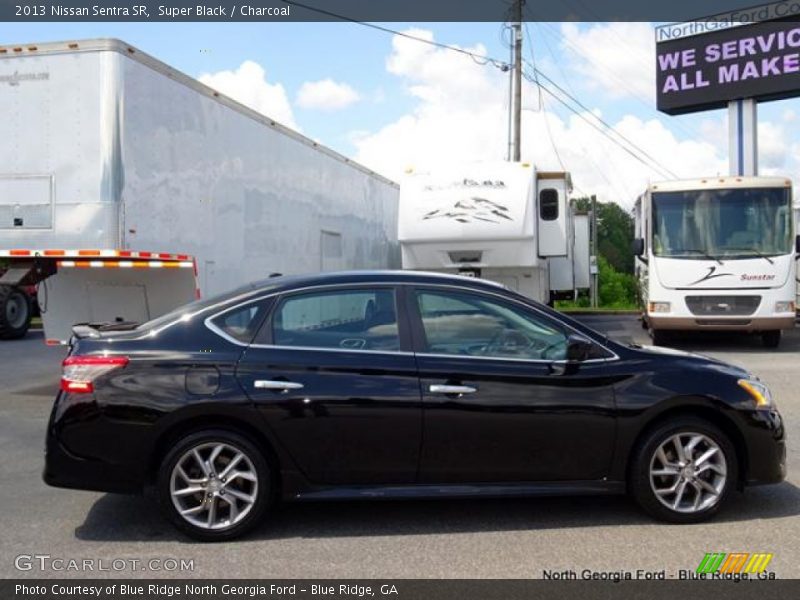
[224,502]
[689,508]
[15,313]
[660,338]
[771,339]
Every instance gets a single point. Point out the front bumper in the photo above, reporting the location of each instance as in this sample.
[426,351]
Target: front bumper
[683,323]
[766,448]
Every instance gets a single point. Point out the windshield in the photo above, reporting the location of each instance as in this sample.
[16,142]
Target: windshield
[735,223]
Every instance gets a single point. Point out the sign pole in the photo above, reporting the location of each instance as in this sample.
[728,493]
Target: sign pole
[743,137]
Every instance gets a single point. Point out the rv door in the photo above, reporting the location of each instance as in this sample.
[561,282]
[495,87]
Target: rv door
[552,214]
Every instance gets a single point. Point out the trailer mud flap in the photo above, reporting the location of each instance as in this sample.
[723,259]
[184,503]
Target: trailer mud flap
[105,291]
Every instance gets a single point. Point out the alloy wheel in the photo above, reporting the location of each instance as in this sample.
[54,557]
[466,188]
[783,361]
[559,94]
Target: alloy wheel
[688,472]
[214,485]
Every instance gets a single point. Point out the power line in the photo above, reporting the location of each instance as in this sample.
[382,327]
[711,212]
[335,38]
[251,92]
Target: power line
[598,128]
[544,76]
[478,58]
[644,101]
[602,172]
[504,66]
[541,102]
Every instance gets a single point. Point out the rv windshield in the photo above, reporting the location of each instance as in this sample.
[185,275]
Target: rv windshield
[722,224]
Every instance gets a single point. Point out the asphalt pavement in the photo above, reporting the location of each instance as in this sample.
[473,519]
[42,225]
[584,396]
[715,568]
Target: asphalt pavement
[390,539]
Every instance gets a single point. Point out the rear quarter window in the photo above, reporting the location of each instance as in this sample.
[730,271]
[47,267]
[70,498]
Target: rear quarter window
[241,323]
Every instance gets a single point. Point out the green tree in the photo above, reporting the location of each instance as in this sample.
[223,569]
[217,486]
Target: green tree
[615,289]
[614,233]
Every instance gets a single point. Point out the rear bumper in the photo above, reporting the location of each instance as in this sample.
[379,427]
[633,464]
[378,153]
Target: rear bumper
[662,322]
[65,470]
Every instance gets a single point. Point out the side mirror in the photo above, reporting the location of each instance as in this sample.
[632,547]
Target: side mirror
[637,247]
[578,348]
[797,246]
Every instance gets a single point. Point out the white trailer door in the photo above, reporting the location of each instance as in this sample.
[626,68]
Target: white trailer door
[111,301]
[26,201]
[580,252]
[552,214]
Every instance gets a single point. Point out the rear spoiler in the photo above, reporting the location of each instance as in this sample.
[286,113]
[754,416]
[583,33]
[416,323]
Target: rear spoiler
[84,330]
[93,330]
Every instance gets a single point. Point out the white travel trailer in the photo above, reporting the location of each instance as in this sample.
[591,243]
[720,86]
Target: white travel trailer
[717,253]
[501,221]
[115,167]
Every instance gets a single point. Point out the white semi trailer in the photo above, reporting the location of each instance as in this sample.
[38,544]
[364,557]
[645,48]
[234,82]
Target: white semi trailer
[501,221]
[717,254]
[127,188]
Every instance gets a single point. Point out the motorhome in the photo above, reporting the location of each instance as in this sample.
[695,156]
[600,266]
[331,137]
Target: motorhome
[717,254]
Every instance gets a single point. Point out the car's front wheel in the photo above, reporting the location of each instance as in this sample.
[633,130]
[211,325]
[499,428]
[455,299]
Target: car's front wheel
[214,485]
[683,470]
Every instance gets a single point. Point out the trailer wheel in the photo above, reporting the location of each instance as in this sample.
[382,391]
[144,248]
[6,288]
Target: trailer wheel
[771,339]
[15,313]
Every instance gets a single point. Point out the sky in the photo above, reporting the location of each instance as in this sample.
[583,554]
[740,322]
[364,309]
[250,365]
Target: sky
[393,103]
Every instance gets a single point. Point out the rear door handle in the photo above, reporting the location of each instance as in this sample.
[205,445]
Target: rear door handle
[451,389]
[283,386]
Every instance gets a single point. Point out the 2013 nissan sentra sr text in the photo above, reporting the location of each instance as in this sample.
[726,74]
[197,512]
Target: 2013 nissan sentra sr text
[397,384]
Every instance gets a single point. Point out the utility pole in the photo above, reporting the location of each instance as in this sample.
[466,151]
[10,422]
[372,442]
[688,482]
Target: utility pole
[593,259]
[516,105]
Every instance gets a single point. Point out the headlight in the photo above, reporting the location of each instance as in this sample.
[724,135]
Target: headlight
[659,307]
[783,307]
[759,392]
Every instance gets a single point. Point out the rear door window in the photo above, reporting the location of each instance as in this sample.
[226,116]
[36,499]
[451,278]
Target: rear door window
[354,319]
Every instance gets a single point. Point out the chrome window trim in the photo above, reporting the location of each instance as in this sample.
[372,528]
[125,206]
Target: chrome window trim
[315,349]
[562,361]
[614,356]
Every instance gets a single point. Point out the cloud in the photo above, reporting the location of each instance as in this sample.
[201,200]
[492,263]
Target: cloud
[248,84]
[327,95]
[615,58]
[461,115]
[772,145]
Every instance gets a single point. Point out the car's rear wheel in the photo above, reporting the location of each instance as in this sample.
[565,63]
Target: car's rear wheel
[683,470]
[214,485]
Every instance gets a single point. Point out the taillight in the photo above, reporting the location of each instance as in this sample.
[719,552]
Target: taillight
[79,372]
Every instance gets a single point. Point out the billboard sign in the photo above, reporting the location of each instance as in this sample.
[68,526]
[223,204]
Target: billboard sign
[704,64]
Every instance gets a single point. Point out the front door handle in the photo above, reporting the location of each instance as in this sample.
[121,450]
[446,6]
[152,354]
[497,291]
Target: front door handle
[283,386]
[451,389]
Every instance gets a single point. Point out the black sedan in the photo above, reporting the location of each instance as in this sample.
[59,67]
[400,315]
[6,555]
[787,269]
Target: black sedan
[395,385]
